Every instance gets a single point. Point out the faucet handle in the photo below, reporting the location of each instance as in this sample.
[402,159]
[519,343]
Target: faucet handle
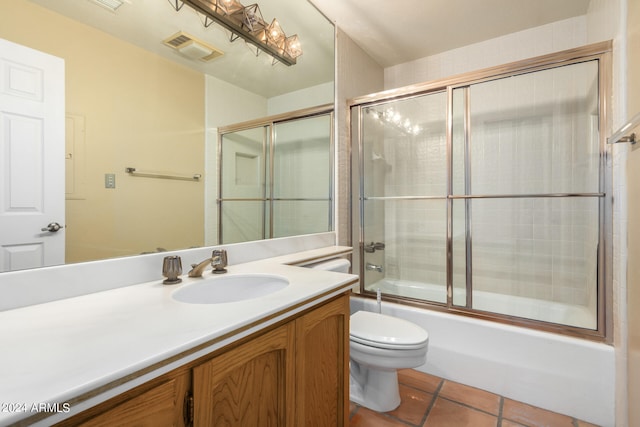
[171,269]
[219,261]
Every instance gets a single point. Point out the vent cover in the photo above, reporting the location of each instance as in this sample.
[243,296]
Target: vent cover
[111,5]
[192,47]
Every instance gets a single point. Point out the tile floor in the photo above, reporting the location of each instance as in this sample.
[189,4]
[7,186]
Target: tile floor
[429,401]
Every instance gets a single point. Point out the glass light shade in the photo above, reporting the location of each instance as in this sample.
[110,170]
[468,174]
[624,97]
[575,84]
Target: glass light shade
[274,33]
[292,46]
[252,19]
[229,7]
[279,45]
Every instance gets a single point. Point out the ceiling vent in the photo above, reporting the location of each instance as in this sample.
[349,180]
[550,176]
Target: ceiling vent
[191,47]
[111,5]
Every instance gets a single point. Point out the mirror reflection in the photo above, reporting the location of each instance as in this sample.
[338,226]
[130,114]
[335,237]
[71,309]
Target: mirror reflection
[276,179]
[132,102]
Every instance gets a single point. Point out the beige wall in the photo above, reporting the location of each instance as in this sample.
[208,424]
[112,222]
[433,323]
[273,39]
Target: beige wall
[139,110]
[633,182]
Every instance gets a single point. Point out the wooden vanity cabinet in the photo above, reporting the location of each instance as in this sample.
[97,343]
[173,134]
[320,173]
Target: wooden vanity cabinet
[322,366]
[294,374]
[158,403]
[251,385]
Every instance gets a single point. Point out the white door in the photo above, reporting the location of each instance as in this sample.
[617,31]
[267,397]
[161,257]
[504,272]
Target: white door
[32,145]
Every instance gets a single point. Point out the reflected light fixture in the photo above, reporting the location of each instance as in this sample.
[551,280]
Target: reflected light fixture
[227,7]
[394,119]
[246,22]
[292,46]
[252,19]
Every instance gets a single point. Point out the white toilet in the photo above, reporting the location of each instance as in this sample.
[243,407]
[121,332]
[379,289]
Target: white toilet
[379,345]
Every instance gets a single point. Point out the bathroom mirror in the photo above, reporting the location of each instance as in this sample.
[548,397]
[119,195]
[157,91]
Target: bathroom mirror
[132,101]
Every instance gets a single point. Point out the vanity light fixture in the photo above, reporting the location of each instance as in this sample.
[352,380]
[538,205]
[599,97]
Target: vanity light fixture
[246,22]
[227,7]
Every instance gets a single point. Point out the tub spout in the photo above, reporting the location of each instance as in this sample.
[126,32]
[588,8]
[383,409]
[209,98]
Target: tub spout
[374,267]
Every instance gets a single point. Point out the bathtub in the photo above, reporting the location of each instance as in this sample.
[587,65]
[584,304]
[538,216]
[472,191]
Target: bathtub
[562,374]
[529,308]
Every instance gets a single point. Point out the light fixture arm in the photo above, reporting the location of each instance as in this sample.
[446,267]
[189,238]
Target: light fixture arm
[177,4]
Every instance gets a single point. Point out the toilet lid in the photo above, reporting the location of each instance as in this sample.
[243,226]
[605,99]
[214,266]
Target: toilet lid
[380,330]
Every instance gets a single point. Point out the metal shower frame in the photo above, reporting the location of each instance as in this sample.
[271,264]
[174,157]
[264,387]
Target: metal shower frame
[602,53]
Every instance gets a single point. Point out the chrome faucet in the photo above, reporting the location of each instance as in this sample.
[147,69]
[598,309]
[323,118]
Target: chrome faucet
[219,261]
[374,267]
[198,269]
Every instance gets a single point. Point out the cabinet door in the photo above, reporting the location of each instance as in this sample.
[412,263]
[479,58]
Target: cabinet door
[250,385]
[160,406]
[322,369]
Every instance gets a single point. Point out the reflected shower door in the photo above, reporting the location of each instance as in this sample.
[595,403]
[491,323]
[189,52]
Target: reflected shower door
[276,177]
[404,197]
[243,189]
[302,176]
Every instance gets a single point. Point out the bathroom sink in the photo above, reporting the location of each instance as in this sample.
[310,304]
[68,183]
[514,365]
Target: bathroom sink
[230,288]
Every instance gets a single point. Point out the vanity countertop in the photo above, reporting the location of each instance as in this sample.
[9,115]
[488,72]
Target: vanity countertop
[62,352]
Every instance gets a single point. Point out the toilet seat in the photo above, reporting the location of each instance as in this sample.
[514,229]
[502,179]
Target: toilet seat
[382,331]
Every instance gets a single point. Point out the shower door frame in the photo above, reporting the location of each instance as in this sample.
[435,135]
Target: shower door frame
[599,51]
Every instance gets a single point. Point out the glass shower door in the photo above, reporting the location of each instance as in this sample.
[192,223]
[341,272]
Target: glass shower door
[528,195]
[490,194]
[404,197]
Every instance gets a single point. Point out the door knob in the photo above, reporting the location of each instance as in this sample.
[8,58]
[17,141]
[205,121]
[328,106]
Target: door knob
[52,227]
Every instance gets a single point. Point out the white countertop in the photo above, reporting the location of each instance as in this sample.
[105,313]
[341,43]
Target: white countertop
[60,350]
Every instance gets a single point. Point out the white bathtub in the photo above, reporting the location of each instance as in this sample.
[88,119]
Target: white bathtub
[562,374]
[529,308]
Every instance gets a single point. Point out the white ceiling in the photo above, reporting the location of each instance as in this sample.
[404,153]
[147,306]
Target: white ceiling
[390,31]
[397,31]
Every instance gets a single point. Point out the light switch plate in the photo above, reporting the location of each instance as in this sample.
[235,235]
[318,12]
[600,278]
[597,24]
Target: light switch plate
[109,180]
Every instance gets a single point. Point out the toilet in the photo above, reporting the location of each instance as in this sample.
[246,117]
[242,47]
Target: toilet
[379,345]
